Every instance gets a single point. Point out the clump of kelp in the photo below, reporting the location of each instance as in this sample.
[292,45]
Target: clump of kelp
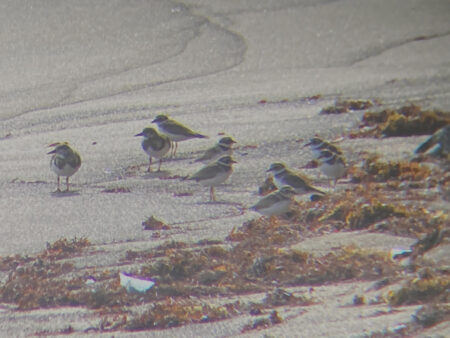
[65,247]
[405,121]
[344,106]
[429,286]
[368,207]
[170,314]
[374,169]
[152,223]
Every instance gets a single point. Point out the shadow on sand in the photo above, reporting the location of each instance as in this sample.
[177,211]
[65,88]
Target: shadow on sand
[64,193]
[156,174]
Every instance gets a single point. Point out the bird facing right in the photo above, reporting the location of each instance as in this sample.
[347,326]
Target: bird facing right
[283,176]
[175,131]
[214,174]
[222,148]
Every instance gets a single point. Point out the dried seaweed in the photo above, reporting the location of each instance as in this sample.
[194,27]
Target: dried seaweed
[152,223]
[373,169]
[344,106]
[428,288]
[405,121]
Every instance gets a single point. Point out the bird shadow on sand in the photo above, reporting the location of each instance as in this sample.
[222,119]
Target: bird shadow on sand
[156,174]
[235,204]
[64,193]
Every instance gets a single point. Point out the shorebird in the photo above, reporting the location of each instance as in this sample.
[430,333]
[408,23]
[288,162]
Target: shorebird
[214,174]
[175,131]
[221,148]
[332,165]
[283,176]
[65,161]
[276,203]
[317,145]
[155,145]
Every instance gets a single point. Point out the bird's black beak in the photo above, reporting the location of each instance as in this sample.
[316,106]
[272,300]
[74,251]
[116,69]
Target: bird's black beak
[52,152]
[140,134]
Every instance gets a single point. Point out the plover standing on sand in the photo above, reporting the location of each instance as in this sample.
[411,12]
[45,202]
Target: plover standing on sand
[221,148]
[214,174]
[283,176]
[175,131]
[155,145]
[65,161]
[332,165]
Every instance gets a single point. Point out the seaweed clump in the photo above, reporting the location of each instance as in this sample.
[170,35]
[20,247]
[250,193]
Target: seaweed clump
[171,314]
[368,207]
[425,289]
[375,170]
[406,121]
[64,247]
[152,223]
[344,106]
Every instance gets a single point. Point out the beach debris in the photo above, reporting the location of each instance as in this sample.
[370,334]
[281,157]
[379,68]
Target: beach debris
[135,284]
[432,314]
[397,253]
[344,106]
[263,323]
[431,240]
[169,314]
[64,247]
[404,121]
[373,169]
[359,300]
[152,223]
[428,287]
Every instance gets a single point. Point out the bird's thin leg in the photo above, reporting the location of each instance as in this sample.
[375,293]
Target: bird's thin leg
[176,147]
[67,183]
[149,164]
[57,189]
[171,145]
[212,195]
[160,161]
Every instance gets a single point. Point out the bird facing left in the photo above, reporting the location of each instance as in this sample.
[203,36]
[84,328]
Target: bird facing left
[65,161]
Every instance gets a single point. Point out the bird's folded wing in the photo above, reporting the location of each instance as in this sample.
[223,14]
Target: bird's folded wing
[205,173]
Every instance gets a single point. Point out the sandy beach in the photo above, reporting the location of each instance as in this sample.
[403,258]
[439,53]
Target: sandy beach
[96,73]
